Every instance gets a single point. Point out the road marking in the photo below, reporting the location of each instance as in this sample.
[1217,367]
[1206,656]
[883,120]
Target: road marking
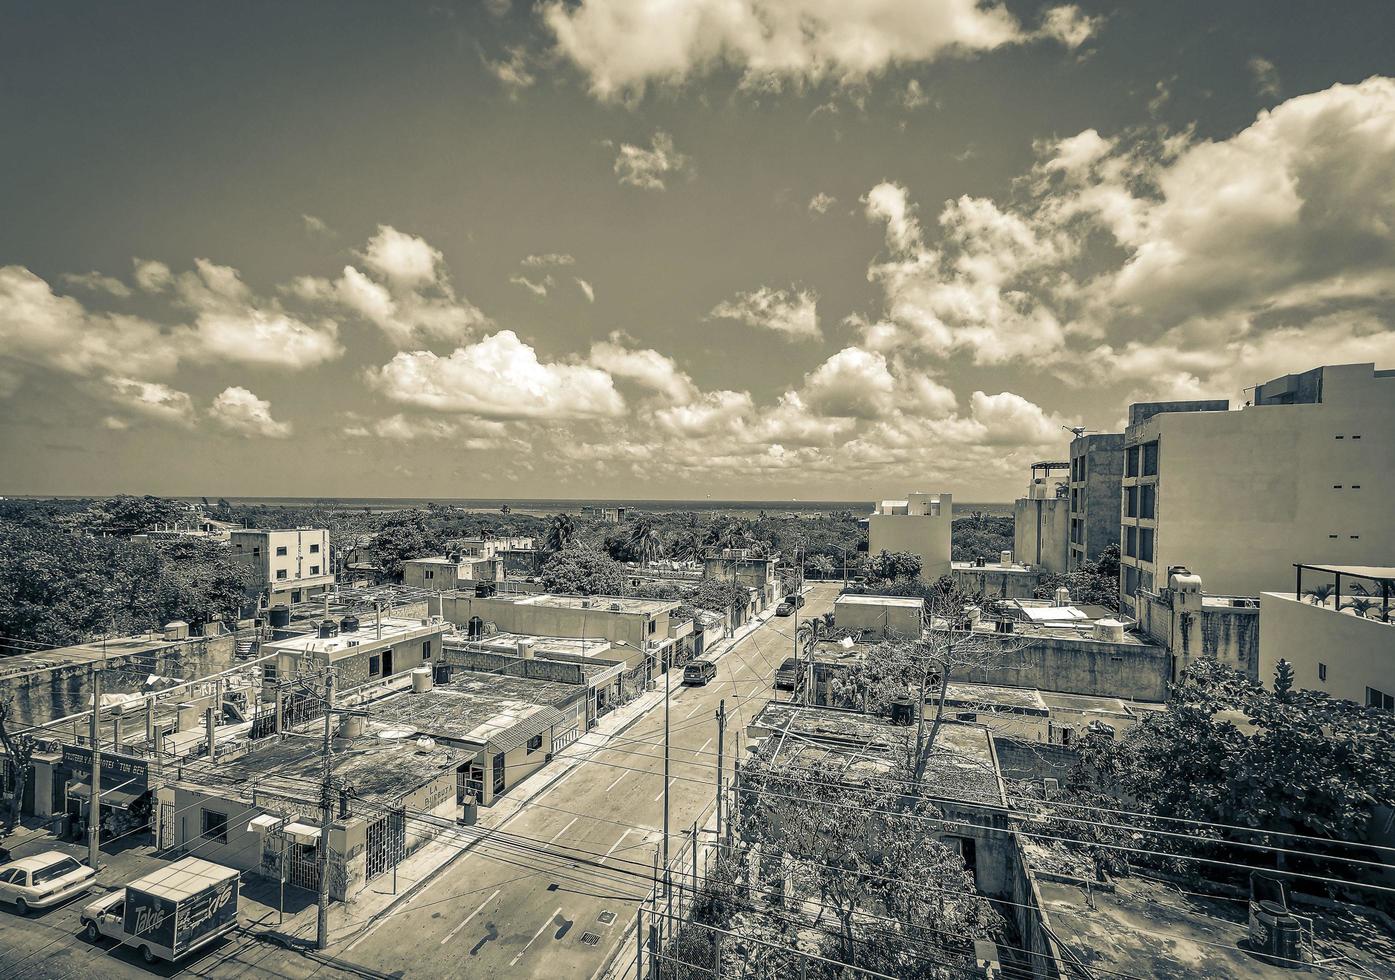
[694,711]
[451,935]
[382,922]
[661,792]
[704,747]
[546,922]
[564,829]
[614,846]
[616,782]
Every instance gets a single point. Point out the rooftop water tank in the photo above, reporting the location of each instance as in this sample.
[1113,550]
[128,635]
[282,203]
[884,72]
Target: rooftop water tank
[279,616]
[328,628]
[1180,579]
[349,624]
[351,726]
[1109,631]
[421,680]
[902,711]
[526,648]
[1063,596]
[1005,557]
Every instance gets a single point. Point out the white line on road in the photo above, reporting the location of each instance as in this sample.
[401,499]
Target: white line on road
[661,792]
[466,921]
[615,845]
[564,829]
[704,747]
[616,782]
[695,710]
[382,922]
[546,922]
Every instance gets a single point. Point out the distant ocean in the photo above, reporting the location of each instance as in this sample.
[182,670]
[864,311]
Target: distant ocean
[549,505]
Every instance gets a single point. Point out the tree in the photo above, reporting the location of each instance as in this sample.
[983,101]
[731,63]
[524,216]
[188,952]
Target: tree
[403,536]
[890,566]
[1319,594]
[1094,583]
[1283,678]
[1363,606]
[124,515]
[582,571]
[645,539]
[506,510]
[822,566]
[561,533]
[719,595]
[686,545]
[20,750]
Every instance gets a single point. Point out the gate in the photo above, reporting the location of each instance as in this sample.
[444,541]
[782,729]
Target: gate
[386,843]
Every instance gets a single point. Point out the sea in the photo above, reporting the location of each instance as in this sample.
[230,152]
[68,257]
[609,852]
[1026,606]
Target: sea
[555,505]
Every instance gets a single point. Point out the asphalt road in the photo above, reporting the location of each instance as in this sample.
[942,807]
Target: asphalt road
[503,911]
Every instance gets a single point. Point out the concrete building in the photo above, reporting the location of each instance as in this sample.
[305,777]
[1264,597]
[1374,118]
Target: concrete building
[446,573]
[1238,497]
[361,652]
[920,525]
[552,658]
[1041,521]
[1096,475]
[877,616]
[746,567]
[604,514]
[1344,650]
[290,565]
[1004,578]
[1190,623]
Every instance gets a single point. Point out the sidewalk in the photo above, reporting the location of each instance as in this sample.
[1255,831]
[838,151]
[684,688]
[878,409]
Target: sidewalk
[355,920]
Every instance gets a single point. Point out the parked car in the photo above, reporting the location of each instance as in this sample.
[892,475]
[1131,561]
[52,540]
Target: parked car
[44,880]
[699,672]
[170,912]
[787,674]
[797,599]
[784,609]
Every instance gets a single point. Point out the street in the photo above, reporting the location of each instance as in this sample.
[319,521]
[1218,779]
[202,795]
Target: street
[548,893]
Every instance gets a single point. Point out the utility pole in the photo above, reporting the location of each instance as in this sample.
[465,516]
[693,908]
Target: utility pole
[326,814]
[94,808]
[721,739]
[667,678]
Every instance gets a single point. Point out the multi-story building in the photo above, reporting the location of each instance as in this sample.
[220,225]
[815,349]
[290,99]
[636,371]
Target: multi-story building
[360,652]
[920,525]
[446,573]
[1041,521]
[1238,497]
[290,565]
[747,567]
[1096,474]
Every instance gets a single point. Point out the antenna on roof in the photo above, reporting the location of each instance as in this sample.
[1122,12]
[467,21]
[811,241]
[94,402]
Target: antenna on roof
[1078,430]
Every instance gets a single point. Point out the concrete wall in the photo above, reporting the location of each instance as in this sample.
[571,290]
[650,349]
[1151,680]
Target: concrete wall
[1022,759]
[878,617]
[996,581]
[1133,671]
[544,620]
[924,531]
[1041,532]
[1188,627]
[1096,497]
[1359,653]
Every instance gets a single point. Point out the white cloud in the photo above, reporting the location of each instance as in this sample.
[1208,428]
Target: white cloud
[890,203]
[914,96]
[404,260]
[513,70]
[152,400]
[498,377]
[152,276]
[1266,76]
[649,167]
[713,413]
[1069,26]
[792,313]
[586,288]
[647,368]
[98,283]
[538,288]
[548,259]
[622,46]
[266,339]
[316,227]
[821,202]
[853,383]
[243,413]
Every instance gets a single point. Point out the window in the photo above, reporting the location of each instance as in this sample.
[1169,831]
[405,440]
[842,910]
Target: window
[534,744]
[1131,461]
[281,551]
[11,877]
[1150,458]
[653,625]
[314,549]
[1322,671]
[375,665]
[1145,544]
[428,573]
[1148,501]
[215,826]
[499,773]
[256,552]
[1379,699]
[426,650]
[1130,580]
[1336,486]
[54,871]
[1074,500]
[1131,501]
[314,569]
[280,573]
[1131,542]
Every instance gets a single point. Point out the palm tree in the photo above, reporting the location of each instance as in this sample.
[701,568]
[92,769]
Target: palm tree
[645,539]
[686,545]
[732,534]
[561,533]
[822,566]
[1319,594]
[1362,606]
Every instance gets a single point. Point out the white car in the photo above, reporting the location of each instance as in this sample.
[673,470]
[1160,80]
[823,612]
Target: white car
[44,880]
[105,917]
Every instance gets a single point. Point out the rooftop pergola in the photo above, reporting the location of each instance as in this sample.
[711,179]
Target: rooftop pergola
[1382,575]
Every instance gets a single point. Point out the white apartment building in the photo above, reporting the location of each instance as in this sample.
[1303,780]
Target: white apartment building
[1237,497]
[1041,521]
[920,525]
[291,565]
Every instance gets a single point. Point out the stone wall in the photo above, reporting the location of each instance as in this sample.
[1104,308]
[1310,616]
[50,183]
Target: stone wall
[1134,671]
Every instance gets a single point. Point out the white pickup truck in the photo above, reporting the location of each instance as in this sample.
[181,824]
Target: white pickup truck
[168,913]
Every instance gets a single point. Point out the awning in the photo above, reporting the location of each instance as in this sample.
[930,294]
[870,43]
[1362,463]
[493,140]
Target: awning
[303,833]
[110,797]
[535,724]
[263,824]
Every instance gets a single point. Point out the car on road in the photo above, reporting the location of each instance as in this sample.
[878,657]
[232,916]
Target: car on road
[784,609]
[41,881]
[797,599]
[699,672]
[787,674]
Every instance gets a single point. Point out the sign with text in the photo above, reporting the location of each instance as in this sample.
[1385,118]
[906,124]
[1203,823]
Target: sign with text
[130,773]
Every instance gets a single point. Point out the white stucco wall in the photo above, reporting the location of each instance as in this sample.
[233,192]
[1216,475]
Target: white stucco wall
[1359,653]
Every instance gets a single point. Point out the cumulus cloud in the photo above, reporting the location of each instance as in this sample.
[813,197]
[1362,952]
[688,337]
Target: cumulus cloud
[96,282]
[586,288]
[792,313]
[649,168]
[853,383]
[622,46]
[821,202]
[647,368]
[513,70]
[152,400]
[152,276]
[548,259]
[498,377]
[239,411]
[1265,75]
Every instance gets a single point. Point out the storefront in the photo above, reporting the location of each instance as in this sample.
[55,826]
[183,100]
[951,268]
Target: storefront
[125,804]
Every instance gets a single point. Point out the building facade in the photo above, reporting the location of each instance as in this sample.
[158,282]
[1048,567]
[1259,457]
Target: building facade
[1238,497]
[1041,522]
[291,565]
[920,525]
[1096,475]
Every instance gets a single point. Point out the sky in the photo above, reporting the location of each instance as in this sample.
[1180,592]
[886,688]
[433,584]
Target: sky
[768,249]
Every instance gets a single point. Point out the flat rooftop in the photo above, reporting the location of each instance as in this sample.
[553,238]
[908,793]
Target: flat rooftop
[1022,700]
[367,636]
[1011,568]
[1146,928]
[858,599]
[1059,701]
[962,766]
[600,603]
[480,708]
[542,645]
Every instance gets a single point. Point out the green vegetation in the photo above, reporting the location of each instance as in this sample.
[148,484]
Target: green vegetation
[981,535]
[1095,582]
[583,571]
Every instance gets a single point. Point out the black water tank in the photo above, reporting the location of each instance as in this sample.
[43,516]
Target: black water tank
[280,616]
[328,628]
[902,711]
[349,624]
